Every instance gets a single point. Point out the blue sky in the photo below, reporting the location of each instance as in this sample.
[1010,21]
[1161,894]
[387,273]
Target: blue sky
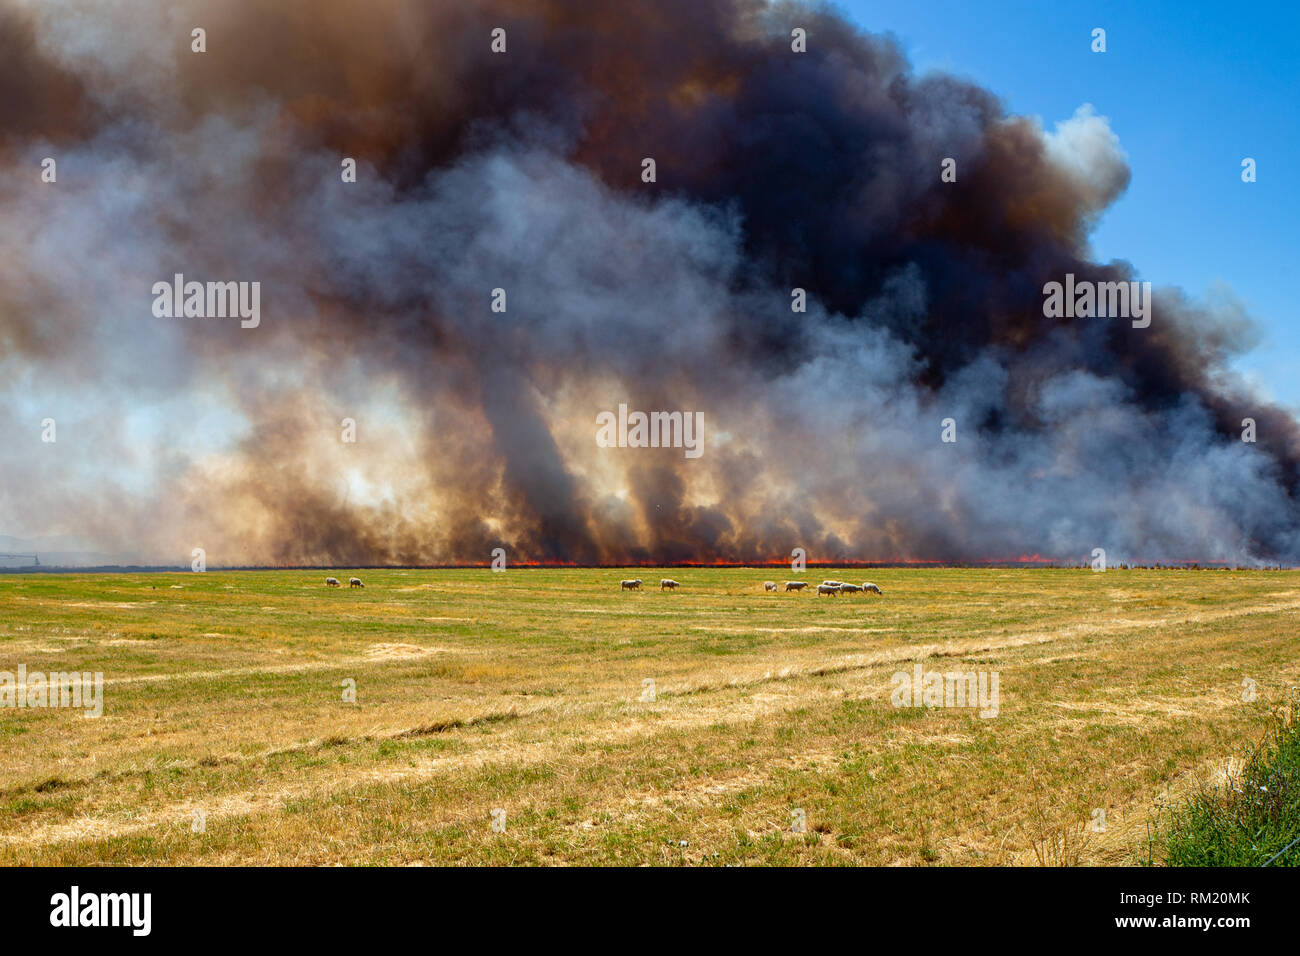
[1191,88]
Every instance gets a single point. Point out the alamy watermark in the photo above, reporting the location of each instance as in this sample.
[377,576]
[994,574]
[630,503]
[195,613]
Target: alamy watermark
[75,908]
[1086,299]
[651,430]
[211,300]
[78,690]
[947,689]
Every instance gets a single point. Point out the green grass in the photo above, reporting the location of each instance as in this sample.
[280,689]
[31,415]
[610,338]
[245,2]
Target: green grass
[1251,818]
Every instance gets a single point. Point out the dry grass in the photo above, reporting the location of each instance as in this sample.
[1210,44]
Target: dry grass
[523,691]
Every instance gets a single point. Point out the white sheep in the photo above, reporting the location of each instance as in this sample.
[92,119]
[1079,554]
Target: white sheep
[769,585]
[795,585]
[332,583]
[667,583]
[631,585]
[355,583]
[868,586]
[832,589]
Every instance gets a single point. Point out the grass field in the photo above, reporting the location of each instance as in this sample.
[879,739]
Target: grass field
[226,738]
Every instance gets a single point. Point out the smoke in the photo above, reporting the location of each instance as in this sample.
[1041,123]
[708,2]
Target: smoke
[521,171]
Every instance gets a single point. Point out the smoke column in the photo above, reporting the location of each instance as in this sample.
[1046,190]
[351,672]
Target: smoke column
[522,171]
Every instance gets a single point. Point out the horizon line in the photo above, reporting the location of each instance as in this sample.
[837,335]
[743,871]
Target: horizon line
[548,566]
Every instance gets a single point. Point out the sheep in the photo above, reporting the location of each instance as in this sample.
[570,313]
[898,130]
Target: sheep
[849,588]
[769,586]
[332,583]
[868,586]
[795,585]
[832,590]
[831,584]
[667,584]
[355,583]
[631,585]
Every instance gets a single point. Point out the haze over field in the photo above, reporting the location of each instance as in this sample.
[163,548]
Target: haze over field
[522,171]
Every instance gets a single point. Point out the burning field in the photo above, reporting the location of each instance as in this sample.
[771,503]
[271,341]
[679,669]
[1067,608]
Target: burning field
[547,716]
[366,284]
[499,313]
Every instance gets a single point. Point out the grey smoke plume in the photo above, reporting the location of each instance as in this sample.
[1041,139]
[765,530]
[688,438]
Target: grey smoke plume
[521,171]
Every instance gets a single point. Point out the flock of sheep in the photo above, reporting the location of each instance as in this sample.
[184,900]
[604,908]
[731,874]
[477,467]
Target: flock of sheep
[833,588]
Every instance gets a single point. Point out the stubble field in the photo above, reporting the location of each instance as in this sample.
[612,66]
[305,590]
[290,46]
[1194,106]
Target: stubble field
[226,737]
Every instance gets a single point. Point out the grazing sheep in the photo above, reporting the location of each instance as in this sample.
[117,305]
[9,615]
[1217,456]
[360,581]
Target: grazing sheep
[633,585]
[769,586]
[868,586]
[832,590]
[795,585]
[831,584]
[332,583]
[850,587]
[667,583]
[355,583]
